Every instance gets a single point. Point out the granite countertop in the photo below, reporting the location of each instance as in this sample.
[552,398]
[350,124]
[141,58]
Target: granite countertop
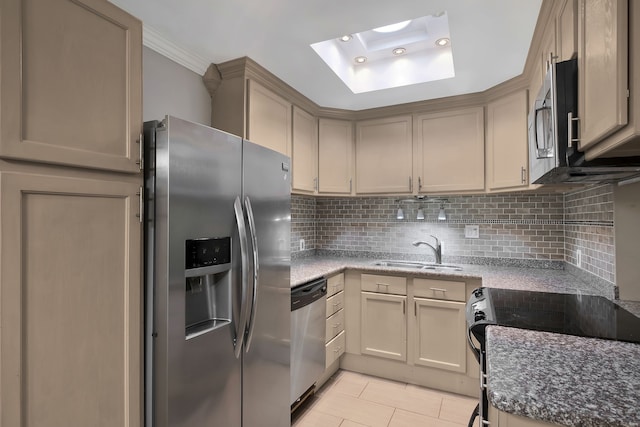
[563,379]
[532,279]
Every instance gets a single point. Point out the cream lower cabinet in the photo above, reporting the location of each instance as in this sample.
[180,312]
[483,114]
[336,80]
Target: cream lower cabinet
[438,336]
[499,418]
[384,316]
[71,309]
[335,336]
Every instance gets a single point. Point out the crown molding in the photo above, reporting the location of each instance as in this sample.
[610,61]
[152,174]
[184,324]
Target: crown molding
[152,39]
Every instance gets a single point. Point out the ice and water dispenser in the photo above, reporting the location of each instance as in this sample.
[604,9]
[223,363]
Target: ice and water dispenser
[207,285]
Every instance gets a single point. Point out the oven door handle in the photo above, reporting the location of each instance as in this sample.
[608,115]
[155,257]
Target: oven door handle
[475,349]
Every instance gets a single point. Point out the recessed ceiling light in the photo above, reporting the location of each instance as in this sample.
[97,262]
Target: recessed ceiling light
[361,59]
[393,27]
[443,42]
[399,51]
[345,38]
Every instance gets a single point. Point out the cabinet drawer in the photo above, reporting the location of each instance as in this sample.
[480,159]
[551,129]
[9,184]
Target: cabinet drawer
[335,325]
[334,349]
[439,289]
[335,303]
[335,284]
[383,284]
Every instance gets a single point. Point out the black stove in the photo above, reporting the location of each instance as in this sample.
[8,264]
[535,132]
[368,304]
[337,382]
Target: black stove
[571,314]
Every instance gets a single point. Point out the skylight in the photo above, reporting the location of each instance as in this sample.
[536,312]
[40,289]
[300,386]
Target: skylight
[398,54]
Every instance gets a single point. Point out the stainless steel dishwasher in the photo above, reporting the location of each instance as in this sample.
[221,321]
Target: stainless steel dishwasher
[308,324]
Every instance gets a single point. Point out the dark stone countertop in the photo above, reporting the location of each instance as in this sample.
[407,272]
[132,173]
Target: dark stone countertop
[563,379]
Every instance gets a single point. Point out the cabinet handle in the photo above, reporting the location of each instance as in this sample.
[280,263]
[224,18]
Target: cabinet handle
[438,289]
[523,174]
[415,308]
[570,120]
[140,195]
[386,289]
[403,307]
[419,183]
[410,185]
[140,162]
[315,184]
[350,185]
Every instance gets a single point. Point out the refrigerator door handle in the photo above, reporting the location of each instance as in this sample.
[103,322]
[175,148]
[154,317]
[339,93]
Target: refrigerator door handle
[238,338]
[254,247]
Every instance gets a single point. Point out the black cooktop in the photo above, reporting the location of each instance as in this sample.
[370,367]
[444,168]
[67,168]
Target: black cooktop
[581,315]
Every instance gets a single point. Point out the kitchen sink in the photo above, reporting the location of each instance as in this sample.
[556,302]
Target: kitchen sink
[418,265]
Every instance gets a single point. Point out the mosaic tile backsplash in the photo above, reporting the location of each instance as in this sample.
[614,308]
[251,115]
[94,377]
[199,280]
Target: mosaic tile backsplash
[544,226]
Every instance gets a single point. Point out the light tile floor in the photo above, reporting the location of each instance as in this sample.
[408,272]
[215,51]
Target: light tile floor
[350,399]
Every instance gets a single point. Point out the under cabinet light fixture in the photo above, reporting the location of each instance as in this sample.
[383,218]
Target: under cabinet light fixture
[400,213]
[442,215]
[420,214]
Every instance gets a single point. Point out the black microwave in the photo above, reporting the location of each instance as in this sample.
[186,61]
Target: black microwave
[554,157]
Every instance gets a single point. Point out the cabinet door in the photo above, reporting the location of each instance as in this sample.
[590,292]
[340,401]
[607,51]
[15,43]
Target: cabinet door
[335,156]
[507,150]
[71,309]
[269,119]
[440,334]
[566,30]
[305,152]
[449,150]
[71,83]
[384,326]
[384,156]
[603,65]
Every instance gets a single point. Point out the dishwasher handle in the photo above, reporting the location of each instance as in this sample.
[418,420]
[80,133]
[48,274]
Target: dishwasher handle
[308,293]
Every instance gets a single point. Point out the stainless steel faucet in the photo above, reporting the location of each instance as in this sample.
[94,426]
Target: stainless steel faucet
[437,250]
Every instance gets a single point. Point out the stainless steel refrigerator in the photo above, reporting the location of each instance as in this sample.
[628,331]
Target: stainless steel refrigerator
[217,256]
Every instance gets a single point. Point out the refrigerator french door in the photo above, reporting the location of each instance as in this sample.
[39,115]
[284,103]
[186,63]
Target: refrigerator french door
[217,256]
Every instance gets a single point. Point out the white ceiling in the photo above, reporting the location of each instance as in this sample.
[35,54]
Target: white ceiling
[490,39]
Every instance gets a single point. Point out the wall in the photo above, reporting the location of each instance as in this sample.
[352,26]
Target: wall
[169,88]
[522,227]
[589,228]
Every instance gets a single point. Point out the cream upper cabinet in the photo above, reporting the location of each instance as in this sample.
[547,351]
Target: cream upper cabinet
[384,156]
[269,119]
[609,78]
[567,30]
[70,261]
[507,150]
[305,152]
[335,156]
[449,150]
[603,65]
[71,84]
